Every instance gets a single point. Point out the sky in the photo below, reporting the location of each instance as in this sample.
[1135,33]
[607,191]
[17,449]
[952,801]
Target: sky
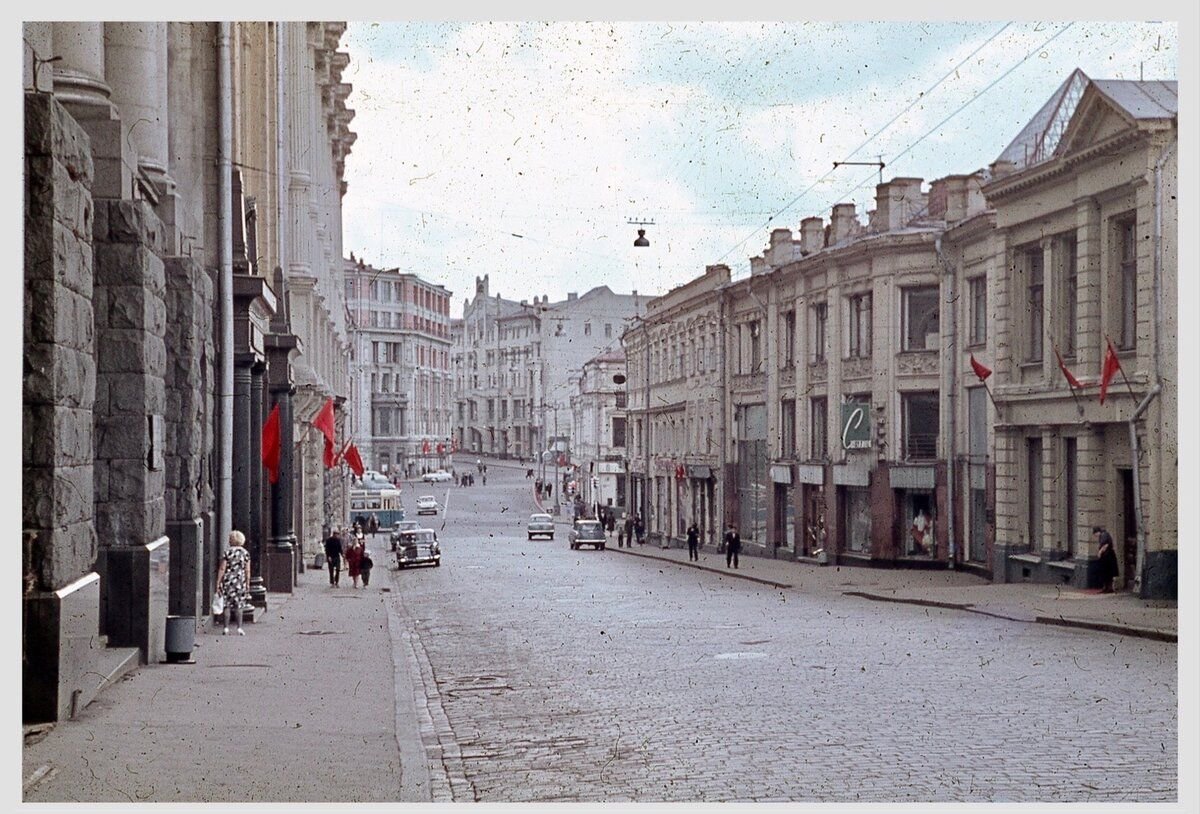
[522,149]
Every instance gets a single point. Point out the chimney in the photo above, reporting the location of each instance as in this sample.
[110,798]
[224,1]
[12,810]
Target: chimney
[571,296]
[897,202]
[812,231]
[999,169]
[720,268]
[780,253]
[843,222]
[758,265]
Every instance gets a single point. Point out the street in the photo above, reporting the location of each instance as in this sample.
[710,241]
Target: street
[551,674]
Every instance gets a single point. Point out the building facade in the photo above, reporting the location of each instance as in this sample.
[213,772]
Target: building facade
[183,186]
[1085,259]
[520,361]
[402,375]
[675,355]
[599,432]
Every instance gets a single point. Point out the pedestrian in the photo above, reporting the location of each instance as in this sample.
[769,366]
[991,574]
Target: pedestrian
[611,525]
[484,477]
[333,556]
[549,491]
[373,525]
[733,545]
[1109,569]
[233,581]
[693,540]
[639,528]
[365,564]
[354,559]
[624,528]
[470,480]
[921,531]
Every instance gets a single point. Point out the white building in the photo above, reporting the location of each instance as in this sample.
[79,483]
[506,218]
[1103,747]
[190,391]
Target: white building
[598,431]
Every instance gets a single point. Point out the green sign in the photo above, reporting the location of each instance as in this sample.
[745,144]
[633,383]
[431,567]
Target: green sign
[856,425]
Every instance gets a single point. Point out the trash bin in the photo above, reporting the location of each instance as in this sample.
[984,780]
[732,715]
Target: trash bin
[180,638]
[319,561]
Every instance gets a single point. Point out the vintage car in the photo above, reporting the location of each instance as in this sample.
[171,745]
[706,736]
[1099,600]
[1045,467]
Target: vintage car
[437,476]
[418,547]
[402,526]
[427,504]
[540,524]
[586,532]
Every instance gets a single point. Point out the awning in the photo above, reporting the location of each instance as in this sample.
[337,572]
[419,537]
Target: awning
[699,472]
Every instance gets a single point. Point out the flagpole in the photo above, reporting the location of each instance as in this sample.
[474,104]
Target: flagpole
[1124,378]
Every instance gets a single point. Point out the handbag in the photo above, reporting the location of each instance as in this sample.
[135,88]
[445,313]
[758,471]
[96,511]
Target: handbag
[218,604]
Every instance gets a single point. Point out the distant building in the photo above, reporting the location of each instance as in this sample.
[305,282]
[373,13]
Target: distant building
[402,379]
[599,431]
[518,361]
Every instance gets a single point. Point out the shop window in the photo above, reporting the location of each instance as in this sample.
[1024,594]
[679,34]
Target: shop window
[920,425]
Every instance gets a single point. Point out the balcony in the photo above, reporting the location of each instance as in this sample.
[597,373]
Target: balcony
[920,446]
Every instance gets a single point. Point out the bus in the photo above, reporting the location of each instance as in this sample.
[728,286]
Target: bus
[383,505]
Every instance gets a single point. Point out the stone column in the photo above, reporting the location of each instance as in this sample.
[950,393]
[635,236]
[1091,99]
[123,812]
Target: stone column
[79,82]
[135,56]
[256,530]
[279,565]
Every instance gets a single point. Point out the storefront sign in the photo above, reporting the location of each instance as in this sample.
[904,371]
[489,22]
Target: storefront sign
[781,473]
[912,477]
[850,475]
[699,472]
[856,425]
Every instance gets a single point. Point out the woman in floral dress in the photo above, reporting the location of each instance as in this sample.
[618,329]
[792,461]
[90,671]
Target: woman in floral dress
[233,580]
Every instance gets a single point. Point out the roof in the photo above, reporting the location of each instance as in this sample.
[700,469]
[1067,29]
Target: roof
[611,355]
[1142,100]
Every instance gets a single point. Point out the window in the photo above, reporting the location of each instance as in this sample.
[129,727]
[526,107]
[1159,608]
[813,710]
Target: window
[608,330]
[820,315]
[587,329]
[622,397]
[818,425]
[787,428]
[384,384]
[349,289]
[921,318]
[682,359]
[860,326]
[920,425]
[977,424]
[700,356]
[1127,268]
[789,339]
[1034,302]
[755,347]
[618,432]
[977,302]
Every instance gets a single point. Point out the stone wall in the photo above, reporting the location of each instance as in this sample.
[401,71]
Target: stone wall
[130,314]
[59,371]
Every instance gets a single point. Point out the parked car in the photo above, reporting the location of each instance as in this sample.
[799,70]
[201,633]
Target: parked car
[373,481]
[427,504]
[401,526]
[540,524]
[586,532]
[436,476]
[418,547]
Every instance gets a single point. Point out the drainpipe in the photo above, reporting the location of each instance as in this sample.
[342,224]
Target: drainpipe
[225,217]
[951,392]
[722,304]
[1157,388]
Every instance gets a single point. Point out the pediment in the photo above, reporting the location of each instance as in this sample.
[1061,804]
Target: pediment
[1096,120]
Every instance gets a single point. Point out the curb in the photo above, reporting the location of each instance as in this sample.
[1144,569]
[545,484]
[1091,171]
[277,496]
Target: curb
[1061,621]
[710,569]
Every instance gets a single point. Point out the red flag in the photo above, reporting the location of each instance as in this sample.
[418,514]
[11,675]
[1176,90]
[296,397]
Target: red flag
[1072,382]
[325,423]
[980,370]
[354,460]
[1111,366]
[270,445]
[425,447]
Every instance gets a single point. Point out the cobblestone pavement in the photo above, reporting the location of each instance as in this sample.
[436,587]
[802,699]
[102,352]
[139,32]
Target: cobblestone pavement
[551,674]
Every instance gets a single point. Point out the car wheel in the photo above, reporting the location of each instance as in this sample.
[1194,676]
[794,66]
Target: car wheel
[530,536]
[602,546]
[437,564]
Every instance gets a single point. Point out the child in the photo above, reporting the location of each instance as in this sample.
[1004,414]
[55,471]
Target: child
[365,564]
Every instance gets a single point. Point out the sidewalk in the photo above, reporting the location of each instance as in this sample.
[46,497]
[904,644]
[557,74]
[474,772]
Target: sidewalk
[1119,613]
[295,710]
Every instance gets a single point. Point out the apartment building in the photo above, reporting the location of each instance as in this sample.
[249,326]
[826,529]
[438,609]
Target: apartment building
[402,381]
[599,431]
[675,355]
[521,362]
